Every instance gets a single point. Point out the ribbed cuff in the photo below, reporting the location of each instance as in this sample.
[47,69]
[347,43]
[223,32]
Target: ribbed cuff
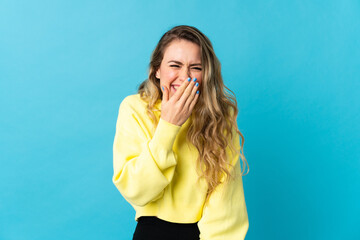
[162,143]
[165,134]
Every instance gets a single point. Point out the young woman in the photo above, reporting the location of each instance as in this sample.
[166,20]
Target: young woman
[177,148]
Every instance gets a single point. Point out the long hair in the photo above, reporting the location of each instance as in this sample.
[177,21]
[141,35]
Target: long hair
[213,120]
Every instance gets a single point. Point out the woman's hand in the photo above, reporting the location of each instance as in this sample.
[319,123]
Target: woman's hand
[178,108]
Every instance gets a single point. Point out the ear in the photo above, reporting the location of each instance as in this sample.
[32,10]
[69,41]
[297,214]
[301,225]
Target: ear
[157,74]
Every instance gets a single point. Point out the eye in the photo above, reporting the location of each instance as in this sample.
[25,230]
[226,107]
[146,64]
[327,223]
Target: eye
[175,66]
[197,68]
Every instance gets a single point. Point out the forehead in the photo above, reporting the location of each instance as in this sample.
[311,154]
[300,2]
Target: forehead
[182,50]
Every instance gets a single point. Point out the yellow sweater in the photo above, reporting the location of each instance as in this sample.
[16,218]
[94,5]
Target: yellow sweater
[156,174]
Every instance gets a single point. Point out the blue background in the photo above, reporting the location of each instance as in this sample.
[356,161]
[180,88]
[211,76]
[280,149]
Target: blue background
[65,66]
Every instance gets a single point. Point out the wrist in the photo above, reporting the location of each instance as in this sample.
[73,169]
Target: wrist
[170,121]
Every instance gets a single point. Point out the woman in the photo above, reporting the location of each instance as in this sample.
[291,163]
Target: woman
[177,147]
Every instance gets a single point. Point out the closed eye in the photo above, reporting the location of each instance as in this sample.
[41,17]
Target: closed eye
[197,68]
[174,66]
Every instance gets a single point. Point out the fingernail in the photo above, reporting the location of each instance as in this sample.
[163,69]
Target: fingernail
[197,84]
[194,79]
[197,92]
[163,88]
[189,79]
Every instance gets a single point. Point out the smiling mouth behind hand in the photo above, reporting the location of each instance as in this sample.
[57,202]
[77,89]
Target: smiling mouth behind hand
[173,87]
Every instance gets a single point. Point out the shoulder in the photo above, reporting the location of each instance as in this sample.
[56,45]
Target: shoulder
[132,109]
[132,103]
[133,113]
[133,100]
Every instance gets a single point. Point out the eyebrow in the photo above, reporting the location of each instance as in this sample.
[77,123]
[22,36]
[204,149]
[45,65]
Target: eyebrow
[180,63]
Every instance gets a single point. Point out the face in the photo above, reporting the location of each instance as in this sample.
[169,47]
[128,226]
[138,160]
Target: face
[182,59]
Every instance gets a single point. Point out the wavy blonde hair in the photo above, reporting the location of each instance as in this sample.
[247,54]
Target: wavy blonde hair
[213,120]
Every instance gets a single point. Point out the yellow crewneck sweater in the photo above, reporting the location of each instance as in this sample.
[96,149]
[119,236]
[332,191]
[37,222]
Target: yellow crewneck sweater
[156,174]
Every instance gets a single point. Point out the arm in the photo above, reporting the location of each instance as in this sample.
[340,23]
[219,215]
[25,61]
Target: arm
[225,216]
[143,166]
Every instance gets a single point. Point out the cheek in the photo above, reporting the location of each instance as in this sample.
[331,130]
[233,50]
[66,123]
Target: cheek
[168,76]
[171,74]
[199,78]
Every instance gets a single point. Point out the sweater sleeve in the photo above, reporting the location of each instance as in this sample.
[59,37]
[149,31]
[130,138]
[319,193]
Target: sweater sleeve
[225,216]
[143,166]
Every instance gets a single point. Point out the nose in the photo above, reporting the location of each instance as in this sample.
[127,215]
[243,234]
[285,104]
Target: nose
[184,74]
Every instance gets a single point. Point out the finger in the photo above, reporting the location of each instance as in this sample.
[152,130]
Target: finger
[181,89]
[193,103]
[165,94]
[192,95]
[188,91]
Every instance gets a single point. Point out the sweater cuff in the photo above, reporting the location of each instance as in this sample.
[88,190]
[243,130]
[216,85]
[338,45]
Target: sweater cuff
[165,134]
[161,145]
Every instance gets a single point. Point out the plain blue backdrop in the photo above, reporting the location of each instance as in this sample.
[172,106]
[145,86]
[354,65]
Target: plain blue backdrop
[65,66]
